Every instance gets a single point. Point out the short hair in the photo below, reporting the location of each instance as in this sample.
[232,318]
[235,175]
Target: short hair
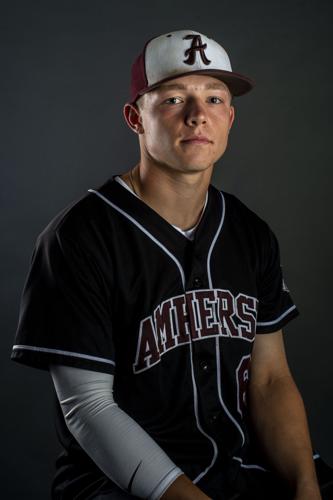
[139,103]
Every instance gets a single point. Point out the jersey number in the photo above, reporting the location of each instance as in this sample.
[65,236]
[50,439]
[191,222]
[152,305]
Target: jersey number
[242,378]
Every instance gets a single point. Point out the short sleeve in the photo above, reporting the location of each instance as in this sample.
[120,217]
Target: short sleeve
[65,309]
[275,305]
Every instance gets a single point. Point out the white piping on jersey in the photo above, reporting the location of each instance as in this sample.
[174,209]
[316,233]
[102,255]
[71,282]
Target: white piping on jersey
[188,233]
[210,284]
[214,241]
[218,364]
[65,353]
[248,466]
[195,395]
[267,323]
[255,466]
[129,217]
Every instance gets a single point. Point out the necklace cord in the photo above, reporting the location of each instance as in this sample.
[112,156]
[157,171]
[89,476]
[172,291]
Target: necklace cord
[131,181]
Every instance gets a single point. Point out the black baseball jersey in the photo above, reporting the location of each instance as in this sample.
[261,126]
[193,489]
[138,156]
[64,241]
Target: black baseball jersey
[114,287]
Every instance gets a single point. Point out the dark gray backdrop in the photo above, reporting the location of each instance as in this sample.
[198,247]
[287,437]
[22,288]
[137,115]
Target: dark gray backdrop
[64,78]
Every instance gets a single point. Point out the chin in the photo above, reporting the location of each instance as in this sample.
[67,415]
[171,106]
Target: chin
[185,165]
[197,163]
[195,166]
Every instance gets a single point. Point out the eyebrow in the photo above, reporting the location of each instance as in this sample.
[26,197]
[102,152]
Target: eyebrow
[181,86]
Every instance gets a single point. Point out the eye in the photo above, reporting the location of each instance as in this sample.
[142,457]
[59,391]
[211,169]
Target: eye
[173,100]
[215,99]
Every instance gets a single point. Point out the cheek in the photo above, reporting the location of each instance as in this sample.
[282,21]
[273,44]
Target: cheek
[222,140]
[158,136]
[224,125]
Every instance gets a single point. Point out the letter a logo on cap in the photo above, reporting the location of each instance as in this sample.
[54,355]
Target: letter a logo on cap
[196,45]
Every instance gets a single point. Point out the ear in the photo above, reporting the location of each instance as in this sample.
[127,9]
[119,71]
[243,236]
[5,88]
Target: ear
[133,118]
[231,116]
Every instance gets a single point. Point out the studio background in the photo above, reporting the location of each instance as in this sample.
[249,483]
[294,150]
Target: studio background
[64,79]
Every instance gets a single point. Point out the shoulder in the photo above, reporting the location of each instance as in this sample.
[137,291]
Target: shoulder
[237,210]
[248,229]
[80,223]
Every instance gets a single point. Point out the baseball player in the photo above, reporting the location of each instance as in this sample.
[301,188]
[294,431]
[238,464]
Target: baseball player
[156,302]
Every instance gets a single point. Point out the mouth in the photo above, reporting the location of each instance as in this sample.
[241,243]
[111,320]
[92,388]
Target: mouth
[196,140]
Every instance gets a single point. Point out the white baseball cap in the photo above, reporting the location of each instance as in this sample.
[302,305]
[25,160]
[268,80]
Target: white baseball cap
[179,53]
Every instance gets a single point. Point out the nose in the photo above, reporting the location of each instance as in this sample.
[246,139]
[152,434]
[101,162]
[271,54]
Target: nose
[195,113]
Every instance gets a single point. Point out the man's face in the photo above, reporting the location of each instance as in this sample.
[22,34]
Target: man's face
[186,122]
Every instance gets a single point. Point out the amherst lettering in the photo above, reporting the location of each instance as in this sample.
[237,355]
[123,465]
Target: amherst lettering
[197,315]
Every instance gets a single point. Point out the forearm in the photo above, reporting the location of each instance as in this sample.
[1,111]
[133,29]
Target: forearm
[118,445]
[280,425]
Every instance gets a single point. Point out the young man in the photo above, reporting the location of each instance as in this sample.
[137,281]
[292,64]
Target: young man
[157,304]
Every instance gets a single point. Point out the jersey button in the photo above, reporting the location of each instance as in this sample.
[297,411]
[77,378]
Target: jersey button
[197,282]
[214,418]
[204,365]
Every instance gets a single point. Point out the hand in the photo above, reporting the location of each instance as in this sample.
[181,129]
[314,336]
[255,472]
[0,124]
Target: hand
[183,489]
[314,496]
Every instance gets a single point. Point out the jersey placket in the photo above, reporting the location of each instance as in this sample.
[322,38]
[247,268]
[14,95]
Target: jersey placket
[206,343]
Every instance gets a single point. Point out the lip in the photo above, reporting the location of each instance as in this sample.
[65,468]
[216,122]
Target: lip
[197,139]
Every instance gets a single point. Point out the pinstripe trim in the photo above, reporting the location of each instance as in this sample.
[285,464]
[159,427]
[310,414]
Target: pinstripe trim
[65,353]
[248,466]
[144,230]
[267,323]
[195,395]
[255,466]
[214,241]
[218,364]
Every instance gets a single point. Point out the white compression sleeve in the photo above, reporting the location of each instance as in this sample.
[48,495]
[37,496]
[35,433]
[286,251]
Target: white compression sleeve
[120,447]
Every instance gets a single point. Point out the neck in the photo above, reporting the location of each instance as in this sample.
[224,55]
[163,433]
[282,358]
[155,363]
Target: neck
[178,197]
